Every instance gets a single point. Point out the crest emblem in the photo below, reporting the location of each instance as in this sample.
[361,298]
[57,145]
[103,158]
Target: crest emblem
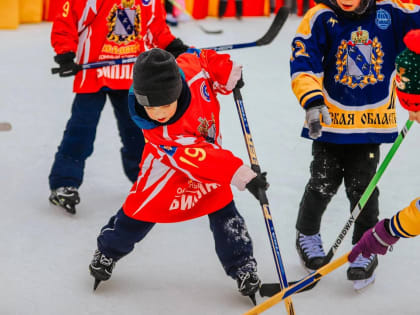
[207,128]
[383,19]
[359,60]
[124,22]
[204,92]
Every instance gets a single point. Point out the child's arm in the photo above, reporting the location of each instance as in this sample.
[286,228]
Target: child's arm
[209,163]
[405,224]
[64,37]
[308,49]
[224,73]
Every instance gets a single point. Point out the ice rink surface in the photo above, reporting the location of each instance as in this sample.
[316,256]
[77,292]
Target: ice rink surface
[44,252]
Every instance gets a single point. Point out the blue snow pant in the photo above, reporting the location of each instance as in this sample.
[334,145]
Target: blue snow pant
[79,136]
[356,164]
[232,241]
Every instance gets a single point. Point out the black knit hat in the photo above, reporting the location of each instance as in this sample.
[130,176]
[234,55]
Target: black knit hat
[156,78]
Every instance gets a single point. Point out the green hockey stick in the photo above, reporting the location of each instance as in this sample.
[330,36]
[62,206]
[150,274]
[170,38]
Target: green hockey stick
[269,289]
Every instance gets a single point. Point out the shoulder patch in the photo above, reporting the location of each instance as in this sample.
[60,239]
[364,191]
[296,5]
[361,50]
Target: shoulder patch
[383,19]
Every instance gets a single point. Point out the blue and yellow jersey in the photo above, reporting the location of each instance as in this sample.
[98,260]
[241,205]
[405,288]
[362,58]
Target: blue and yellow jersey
[349,65]
[406,223]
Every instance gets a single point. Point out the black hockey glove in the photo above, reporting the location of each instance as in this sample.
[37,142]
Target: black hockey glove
[260,181]
[176,47]
[240,84]
[67,66]
[312,118]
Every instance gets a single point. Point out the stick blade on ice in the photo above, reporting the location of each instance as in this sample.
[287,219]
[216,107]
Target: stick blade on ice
[275,27]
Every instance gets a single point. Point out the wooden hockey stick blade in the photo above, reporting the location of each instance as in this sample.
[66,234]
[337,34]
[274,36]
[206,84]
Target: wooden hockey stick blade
[275,27]
[298,286]
[5,126]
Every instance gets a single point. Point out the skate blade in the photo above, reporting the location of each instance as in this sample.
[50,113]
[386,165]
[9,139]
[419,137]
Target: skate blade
[360,285]
[253,299]
[71,210]
[95,285]
[304,266]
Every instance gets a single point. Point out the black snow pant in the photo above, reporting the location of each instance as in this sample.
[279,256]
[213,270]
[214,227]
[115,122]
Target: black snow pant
[223,5]
[79,136]
[356,164]
[232,241]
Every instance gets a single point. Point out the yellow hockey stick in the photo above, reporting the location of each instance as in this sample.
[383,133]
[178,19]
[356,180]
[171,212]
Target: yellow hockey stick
[301,284]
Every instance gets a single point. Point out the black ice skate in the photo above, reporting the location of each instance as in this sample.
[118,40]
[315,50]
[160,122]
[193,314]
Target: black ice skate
[310,250]
[361,271]
[66,198]
[101,268]
[248,284]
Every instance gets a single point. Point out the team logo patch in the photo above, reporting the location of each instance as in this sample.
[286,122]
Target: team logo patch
[383,19]
[124,22]
[359,60]
[168,149]
[146,2]
[204,92]
[207,128]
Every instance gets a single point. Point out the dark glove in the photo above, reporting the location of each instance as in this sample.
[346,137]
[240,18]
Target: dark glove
[176,47]
[67,66]
[314,123]
[260,181]
[374,241]
[240,84]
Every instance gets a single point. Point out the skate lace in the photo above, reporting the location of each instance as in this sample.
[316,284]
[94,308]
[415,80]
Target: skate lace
[106,261]
[243,278]
[362,262]
[311,245]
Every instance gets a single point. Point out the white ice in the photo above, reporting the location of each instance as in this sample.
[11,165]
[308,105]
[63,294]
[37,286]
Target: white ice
[44,252]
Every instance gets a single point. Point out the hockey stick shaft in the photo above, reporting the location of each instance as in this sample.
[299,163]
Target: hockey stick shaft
[268,37]
[262,197]
[100,64]
[298,286]
[268,289]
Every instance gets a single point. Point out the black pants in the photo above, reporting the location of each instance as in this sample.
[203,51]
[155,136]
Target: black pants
[79,136]
[169,7]
[356,164]
[233,244]
[223,6]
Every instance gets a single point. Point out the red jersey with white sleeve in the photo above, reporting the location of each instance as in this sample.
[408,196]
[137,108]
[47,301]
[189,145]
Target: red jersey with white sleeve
[97,30]
[185,173]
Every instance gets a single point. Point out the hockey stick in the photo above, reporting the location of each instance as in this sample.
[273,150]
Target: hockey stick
[180,7]
[312,278]
[5,126]
[262,198]
[268,289]
[268,37]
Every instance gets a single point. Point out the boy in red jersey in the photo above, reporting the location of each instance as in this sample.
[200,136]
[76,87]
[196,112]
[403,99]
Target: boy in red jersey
[184,172]
[91,31]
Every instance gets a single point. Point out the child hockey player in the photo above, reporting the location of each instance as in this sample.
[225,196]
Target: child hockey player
[406,223]
[184,172]
[93,31]
[342,69]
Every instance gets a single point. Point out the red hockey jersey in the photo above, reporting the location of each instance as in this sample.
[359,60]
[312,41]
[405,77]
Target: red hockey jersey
[185,173]
[98,30]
